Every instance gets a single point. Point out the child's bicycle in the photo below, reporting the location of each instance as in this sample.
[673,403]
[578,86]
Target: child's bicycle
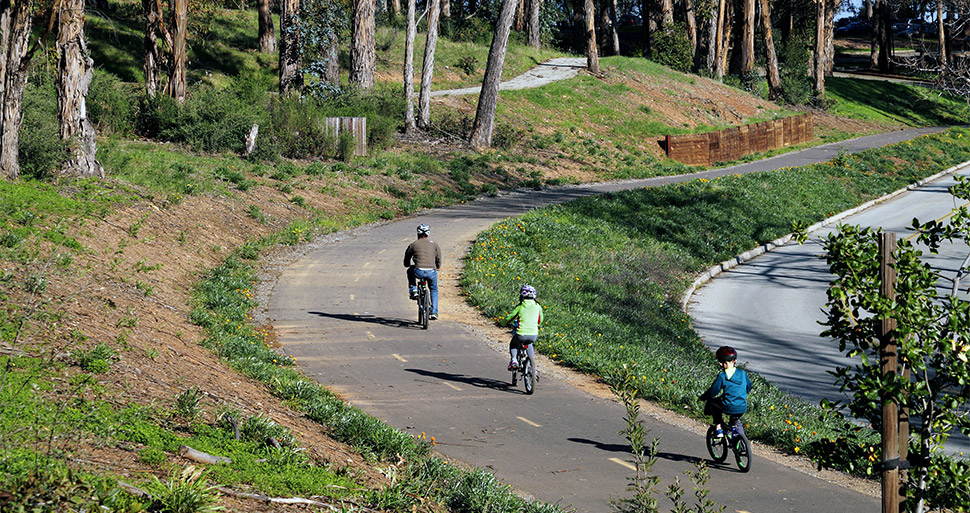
[717,446]
[525,366]
[424,303]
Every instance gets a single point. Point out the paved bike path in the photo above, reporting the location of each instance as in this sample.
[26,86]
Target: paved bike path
[342,311]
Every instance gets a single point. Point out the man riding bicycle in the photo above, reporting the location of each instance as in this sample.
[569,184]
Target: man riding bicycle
[423,259]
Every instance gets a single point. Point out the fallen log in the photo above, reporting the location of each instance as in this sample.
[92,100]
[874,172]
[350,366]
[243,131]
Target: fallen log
[201,457]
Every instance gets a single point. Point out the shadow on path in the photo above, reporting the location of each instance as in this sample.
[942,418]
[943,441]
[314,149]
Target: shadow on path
[372,319]
[474,381]
[625,449]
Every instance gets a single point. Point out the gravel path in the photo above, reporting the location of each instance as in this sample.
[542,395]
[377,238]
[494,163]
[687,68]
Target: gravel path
[547,72]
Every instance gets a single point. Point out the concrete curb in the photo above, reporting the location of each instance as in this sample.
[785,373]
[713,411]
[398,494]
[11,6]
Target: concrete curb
[716,269]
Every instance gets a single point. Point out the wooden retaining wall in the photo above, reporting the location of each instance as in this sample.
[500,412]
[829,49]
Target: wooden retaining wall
[734,143]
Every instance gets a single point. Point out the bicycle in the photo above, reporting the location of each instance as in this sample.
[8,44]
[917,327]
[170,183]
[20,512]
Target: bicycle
[424,303]
[526,366]
[717,446]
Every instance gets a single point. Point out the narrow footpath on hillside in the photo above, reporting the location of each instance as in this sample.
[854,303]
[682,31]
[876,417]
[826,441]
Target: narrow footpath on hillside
[339,306]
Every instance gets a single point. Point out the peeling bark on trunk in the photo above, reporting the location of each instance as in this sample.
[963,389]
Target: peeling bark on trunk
[691,18]
[446,8]
[773,75]
[819,68]
[267,34]
[363,56]
[75,69]
[409,122]
[291,80]
[747,39]
[592,52]
[520,15]
[484,123]
[533,28]
[396,8]
[427,70]
[831,7]
[332,69]
[14,36]
[710,27]
[152,10]
[720,46]
[175,86]
[666,13]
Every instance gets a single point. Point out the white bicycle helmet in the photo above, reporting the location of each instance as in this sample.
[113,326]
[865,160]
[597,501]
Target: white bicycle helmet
[423,229]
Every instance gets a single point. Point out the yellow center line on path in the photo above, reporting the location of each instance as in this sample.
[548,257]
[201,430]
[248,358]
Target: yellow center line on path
[366,264]
[351,297]
[357,278]
[938,219]
[399,357]
[452,386]
[529,422]
[370,335]
[382,251]
[626,464]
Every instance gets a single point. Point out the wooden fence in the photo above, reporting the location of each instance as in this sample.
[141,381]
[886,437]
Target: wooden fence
[734,143]
[355,126]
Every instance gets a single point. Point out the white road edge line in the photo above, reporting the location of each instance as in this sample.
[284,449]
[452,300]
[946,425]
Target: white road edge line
[529,422]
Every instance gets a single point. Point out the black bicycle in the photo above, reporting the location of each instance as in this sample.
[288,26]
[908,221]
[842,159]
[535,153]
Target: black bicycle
[424,303]
[526,367]
[732,438]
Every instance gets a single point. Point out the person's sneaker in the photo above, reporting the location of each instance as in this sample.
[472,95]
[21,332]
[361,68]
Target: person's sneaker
[719,433]
[413,293]
[512,365]
[433,317]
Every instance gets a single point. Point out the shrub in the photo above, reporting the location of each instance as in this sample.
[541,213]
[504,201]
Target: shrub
[796,86]
[112,105]
[41,150]
[97,360]
[671,48]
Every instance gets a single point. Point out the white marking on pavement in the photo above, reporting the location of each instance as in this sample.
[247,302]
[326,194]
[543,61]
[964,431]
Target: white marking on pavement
[395,355]
[452,386]
[351,297]
[357,278]
[529,422]
[626,464]
[366,264]
[370,335]
[382,251]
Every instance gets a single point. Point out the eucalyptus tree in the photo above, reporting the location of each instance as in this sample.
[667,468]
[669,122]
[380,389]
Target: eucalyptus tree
[290,60]
[15,21]
[409,122]
[427,70]
[175,86]
[319,26]
[532,27]
[484,125]
[75,69]
[771,58]
[363,53]
[592,51]
[153,17]
[267,35]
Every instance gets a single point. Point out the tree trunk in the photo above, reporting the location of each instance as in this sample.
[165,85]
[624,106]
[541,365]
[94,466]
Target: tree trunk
[885,35]
[152,10]
[427,70]
[409,123]
[666,13]
[520,15]
[178,25]
[363,57]
[747,39]
[831,7]
[941,37]
[446,8]
[485,115]
[75,69]
[332,69]
[267,35]
[396,8]
[819,68]
[646,15]
[710,26]
[533,28]
[614,35]
[291,80]
[14,36]
[721,43]
[592,52]
[874,40]
[691,18]
[774,77]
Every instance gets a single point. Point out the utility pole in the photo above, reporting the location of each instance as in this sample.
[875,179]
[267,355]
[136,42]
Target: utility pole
[888,357]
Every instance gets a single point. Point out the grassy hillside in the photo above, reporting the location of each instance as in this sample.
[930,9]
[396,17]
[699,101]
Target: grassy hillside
[125,331]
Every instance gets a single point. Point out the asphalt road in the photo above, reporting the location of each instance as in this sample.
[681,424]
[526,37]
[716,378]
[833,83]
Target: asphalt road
[783,292]
[342,311]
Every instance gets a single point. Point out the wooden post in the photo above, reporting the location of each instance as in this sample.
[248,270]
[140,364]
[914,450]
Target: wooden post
[887,355]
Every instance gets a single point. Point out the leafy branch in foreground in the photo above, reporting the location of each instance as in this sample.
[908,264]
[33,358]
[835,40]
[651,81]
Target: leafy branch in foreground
[641,484]
[933,337]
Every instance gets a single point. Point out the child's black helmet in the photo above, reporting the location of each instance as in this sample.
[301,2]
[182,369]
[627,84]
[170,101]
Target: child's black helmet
[726,354]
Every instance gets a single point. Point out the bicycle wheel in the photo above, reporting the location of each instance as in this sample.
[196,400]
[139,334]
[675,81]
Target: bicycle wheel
[716,446]
[425,307]
[529,376]
[742,452]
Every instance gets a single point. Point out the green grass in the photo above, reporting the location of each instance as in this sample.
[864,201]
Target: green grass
[876,100]
[611,271]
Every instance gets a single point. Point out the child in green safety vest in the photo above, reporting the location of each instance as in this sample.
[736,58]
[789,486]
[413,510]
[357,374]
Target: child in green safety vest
[527,316]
